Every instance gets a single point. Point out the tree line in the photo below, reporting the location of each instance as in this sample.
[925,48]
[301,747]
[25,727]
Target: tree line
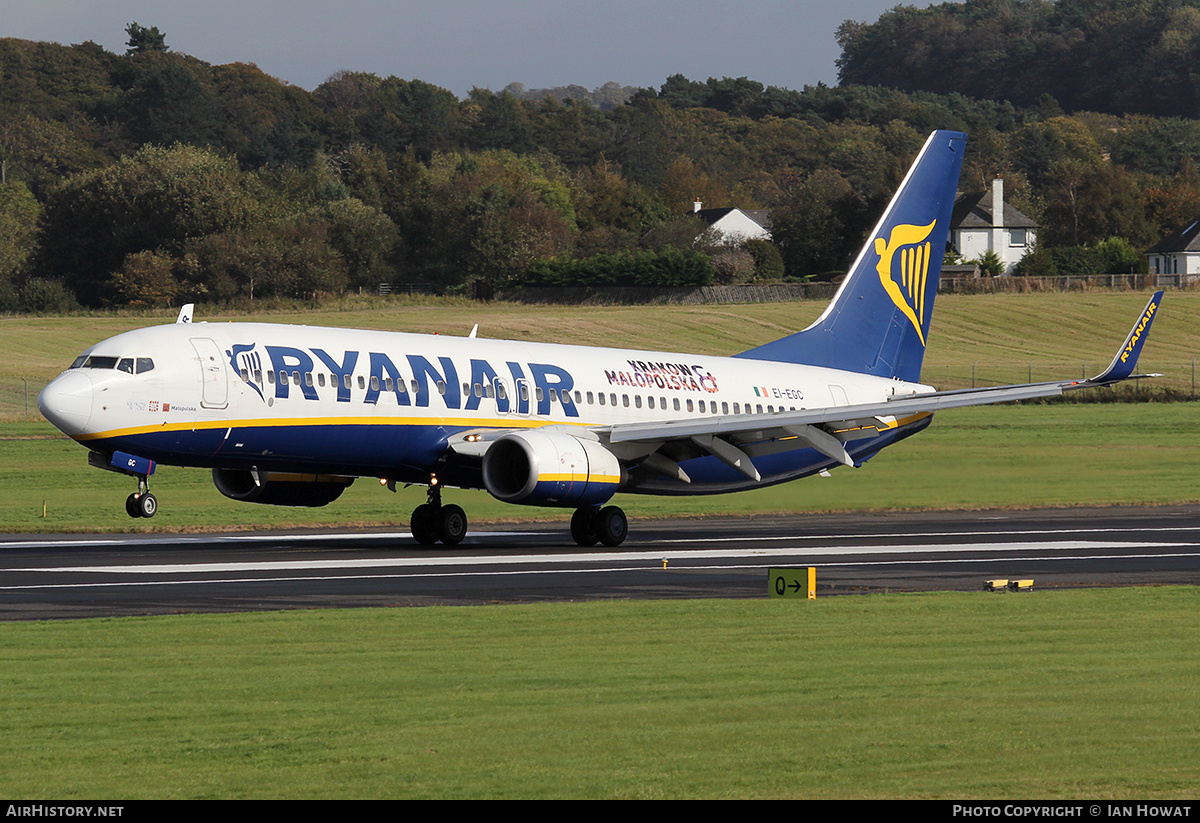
[152,177]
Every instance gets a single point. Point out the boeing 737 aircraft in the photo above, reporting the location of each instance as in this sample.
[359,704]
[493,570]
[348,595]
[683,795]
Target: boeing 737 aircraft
[292,415]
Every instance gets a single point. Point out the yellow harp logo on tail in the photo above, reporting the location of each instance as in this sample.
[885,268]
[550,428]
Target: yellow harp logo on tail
[904,275]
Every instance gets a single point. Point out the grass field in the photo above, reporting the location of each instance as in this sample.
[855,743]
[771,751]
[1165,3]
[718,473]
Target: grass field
[1001,457]
[1012,456]
[998,696]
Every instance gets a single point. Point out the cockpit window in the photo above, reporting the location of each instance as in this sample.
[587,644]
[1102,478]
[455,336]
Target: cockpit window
[125,364]
[97,362]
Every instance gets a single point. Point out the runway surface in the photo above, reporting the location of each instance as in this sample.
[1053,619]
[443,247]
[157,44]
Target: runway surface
[65,576]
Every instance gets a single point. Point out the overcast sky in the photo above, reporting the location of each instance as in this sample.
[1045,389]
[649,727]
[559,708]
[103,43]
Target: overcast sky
[459,44]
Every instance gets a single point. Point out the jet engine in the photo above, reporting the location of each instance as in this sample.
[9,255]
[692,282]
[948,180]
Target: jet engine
[278,488]
[542,468]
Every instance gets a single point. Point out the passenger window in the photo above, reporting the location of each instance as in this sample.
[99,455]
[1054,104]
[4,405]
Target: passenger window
[650,402]
[321,380]
[590,400]
[601,398]
[374,382]
[362,382]
[702,410]
[625,400]
[724,408]
[689,404]
[637,401]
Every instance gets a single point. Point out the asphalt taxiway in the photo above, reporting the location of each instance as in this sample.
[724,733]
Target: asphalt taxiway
[64,576]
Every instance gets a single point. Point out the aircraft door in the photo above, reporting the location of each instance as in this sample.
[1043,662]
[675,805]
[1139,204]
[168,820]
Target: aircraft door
[213,375]
[523,396]
[503,401]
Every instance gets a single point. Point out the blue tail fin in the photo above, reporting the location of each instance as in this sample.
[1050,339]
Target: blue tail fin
[879,320]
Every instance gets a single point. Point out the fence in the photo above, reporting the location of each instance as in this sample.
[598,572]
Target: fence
[784,292]
[18,397]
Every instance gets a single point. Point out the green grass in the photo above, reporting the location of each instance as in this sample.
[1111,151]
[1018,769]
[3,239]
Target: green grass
[915,696]
[990,457]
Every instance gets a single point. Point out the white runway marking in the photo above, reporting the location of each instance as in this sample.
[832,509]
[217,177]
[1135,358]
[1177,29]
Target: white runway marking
[590,557]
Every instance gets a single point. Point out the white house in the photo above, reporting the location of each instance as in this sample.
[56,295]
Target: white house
[983,222]
[1178,253]
[735,225]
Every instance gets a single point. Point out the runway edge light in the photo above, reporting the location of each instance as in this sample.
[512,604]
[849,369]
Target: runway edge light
[792,583]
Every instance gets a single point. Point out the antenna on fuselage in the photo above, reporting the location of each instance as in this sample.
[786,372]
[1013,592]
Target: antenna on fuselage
[185,313]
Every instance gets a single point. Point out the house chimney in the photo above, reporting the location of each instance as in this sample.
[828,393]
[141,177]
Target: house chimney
[998,217]
[697,206]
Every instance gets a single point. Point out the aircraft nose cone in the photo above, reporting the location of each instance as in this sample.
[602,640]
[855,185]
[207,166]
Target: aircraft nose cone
[67,402]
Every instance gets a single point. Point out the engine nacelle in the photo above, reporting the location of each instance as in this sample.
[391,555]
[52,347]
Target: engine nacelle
[280,489]
[538,468]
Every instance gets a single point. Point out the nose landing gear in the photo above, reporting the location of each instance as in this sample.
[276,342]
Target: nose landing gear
[141,503]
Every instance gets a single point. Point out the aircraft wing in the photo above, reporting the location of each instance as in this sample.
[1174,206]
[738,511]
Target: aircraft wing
[737,439]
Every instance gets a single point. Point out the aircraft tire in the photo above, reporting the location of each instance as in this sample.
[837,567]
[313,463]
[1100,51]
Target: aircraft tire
[583,527]
[612,526]
[147,505]
[424,524]
[453,526]
[131,506]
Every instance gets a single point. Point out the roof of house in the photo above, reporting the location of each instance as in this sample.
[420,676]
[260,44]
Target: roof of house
[1185,239]
[712,216]
[973,210]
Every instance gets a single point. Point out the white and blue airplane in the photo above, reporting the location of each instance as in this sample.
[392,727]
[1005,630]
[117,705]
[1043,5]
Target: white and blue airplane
[292,415]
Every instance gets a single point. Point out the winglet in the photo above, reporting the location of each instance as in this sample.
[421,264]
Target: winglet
[185,313]
[1125,362]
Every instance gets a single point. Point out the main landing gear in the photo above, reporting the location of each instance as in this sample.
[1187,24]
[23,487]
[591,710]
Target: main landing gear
[431,521]
[591,525]
[141,503]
